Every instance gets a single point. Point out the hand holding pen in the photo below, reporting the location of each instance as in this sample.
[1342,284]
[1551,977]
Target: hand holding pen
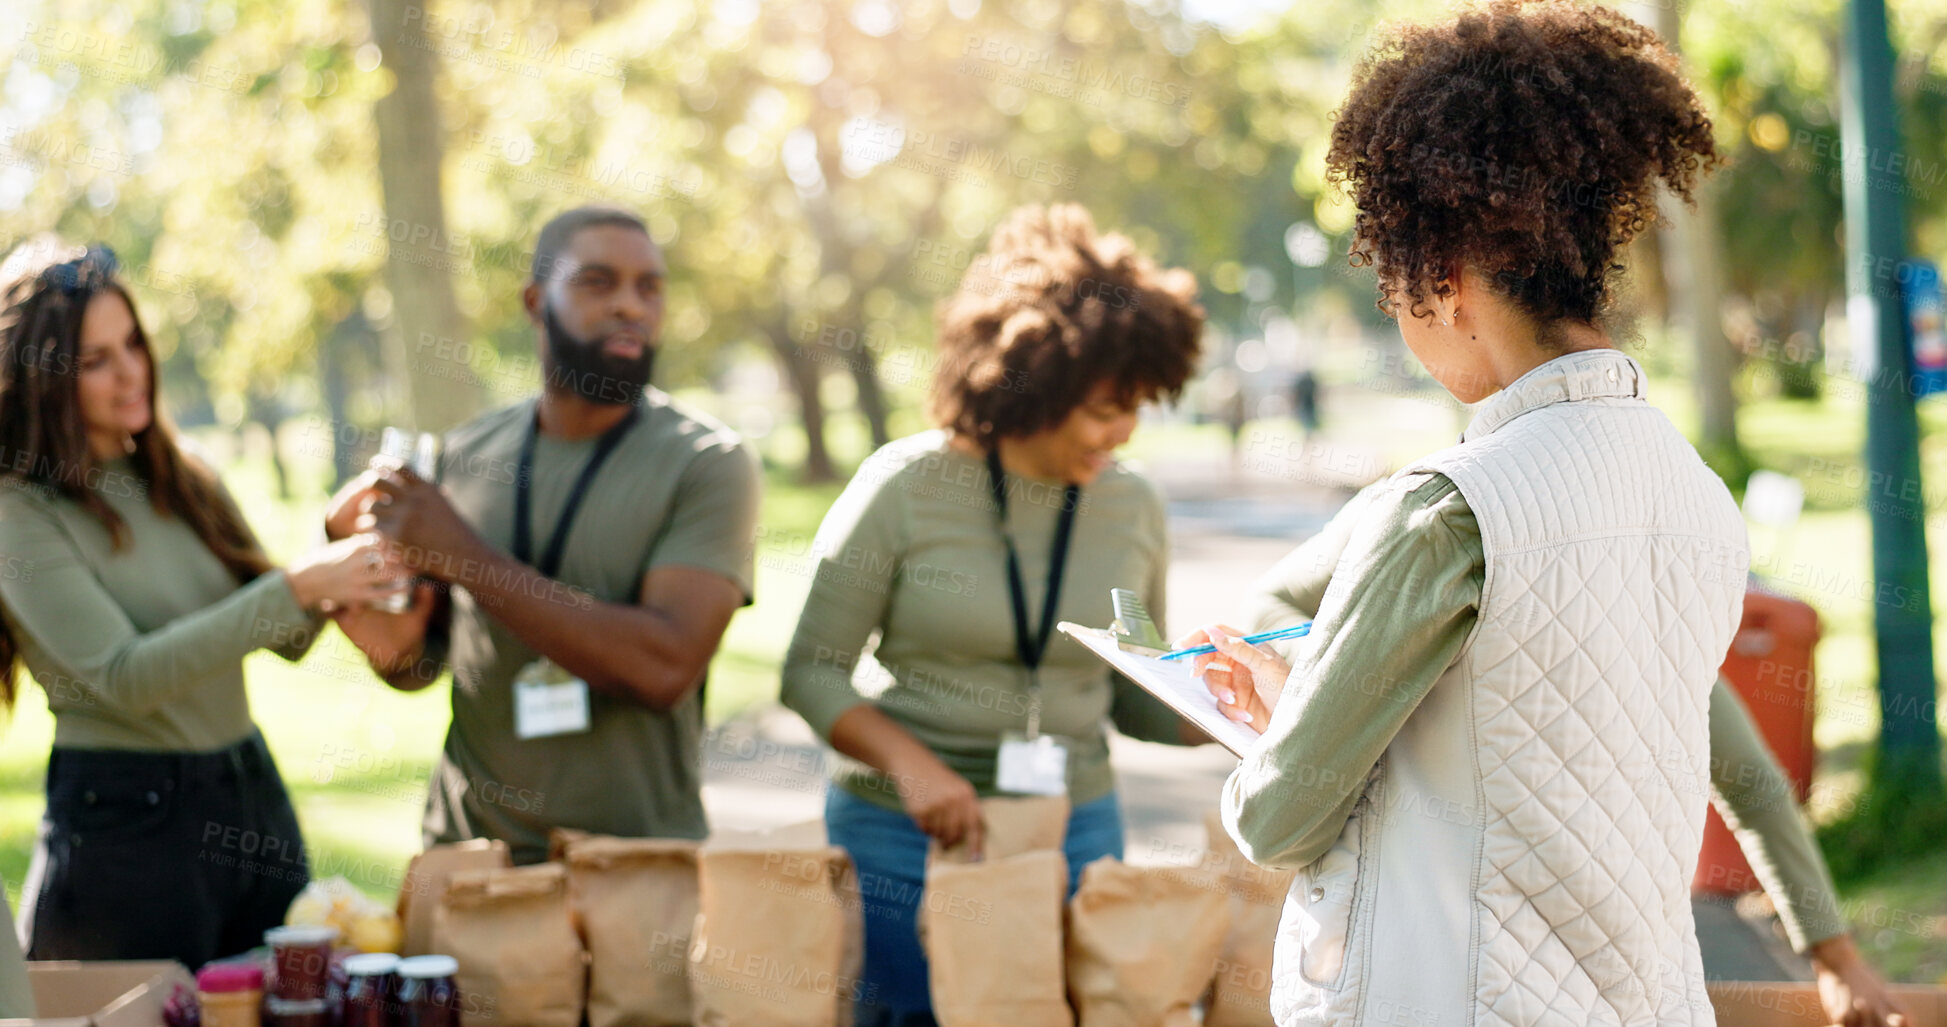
[1298,631]
[1244,678]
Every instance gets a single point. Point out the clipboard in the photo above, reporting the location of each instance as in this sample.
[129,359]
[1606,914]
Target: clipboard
[1169,680]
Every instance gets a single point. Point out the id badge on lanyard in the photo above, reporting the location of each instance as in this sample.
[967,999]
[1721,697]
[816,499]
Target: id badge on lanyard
[549,701]
[1031,763]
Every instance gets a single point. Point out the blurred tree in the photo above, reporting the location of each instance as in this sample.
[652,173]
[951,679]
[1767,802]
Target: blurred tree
[1692,255]
[215,147]
[419,248]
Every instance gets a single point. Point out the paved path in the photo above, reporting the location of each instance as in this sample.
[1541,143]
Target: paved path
[1228,523]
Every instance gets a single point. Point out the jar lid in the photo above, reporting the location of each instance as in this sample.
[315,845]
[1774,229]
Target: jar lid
[306,935]
[429,966]
[295,1007]
[230,977]
[367,964]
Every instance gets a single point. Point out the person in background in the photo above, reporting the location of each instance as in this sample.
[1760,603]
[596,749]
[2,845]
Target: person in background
[595,541]
[960,548]
[1304,401]
[1509,835]
[1748,787]
[132,588]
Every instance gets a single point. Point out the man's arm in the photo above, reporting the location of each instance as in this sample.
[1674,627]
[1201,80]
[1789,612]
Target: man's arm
[406,650]
[652,651]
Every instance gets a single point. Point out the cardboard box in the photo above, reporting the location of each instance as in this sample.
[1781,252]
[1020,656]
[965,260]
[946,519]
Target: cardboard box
[107,994]
[1792,1004]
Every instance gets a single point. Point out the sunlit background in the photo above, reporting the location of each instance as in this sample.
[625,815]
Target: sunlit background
[325,209]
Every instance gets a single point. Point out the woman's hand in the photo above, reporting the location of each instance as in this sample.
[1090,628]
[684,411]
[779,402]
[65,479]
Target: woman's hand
[393,642]
[1245,679]
[355,570]
[941,802]
[1851,992]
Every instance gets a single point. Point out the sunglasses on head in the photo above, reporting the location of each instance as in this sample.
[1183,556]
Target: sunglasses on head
[87,271]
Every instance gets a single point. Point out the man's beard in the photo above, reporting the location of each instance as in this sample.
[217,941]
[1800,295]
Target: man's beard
[587,370]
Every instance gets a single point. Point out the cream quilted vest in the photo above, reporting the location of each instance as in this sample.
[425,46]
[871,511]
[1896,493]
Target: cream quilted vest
[1522,852]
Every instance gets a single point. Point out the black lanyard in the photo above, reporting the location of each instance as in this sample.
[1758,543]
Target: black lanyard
[524,482]
[1032,649]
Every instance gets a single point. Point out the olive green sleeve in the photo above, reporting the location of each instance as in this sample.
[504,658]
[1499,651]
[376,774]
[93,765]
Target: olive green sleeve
[860,546]
[715,517]
[290,645]
[16,996]
[1755,799]
[1405,596]
[63,607]
[1290,592]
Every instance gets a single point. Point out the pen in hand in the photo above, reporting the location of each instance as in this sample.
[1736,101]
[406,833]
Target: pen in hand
[1262,636]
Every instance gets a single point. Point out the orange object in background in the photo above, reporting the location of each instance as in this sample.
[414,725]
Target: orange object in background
[1770,668]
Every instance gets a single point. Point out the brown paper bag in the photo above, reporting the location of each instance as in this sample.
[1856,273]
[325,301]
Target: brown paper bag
[521,963]
[779,939]
[992,933]
[805,834]
[1241,994]
[559,838]
[425,882]
[1143,943]
[1010,826]
[635,900]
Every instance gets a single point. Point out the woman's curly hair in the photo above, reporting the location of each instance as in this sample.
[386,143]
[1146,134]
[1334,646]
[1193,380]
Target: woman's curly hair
[1523,139]
[1048,312]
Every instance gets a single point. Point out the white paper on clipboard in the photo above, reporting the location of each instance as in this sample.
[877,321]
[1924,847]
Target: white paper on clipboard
[1173,681]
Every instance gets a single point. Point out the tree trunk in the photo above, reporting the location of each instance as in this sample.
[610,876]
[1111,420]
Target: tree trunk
[872,399]
[426,321]
[1693,261]
[834,257]
[1800,351]
[267,410]
[1646,274]
[805,374]
[348,351]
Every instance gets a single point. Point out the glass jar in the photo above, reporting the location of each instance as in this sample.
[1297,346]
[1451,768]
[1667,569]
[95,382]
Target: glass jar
[428,994]
[369,990]
[300,961]
[232,994]
[304,1013]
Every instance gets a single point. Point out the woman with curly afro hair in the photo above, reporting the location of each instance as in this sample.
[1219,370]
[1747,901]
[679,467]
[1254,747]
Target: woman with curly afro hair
[960,548]
[1489,761]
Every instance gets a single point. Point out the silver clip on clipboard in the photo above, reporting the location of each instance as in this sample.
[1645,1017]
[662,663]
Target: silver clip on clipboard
[1134,630]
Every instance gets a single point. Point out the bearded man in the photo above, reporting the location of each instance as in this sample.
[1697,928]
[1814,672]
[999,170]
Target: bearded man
[584,550]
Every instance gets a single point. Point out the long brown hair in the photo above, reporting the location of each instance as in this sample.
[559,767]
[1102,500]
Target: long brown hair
[44,441]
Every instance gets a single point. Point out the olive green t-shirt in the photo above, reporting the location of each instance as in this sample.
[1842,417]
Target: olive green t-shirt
[679,489]
[139,647]
[1417,552]
[912,569]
